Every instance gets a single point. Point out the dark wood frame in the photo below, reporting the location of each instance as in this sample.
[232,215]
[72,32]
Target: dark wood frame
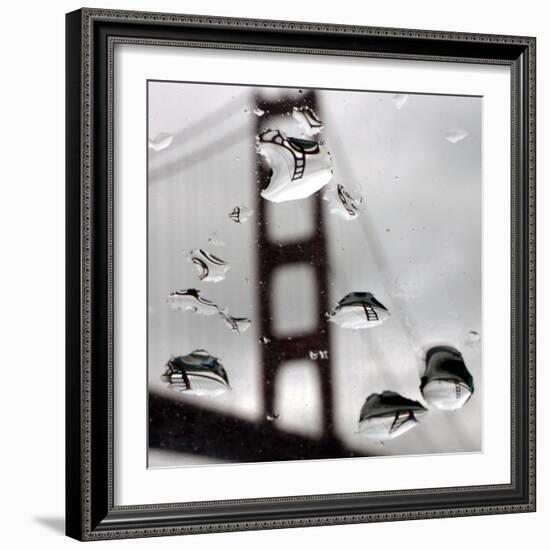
[91,514]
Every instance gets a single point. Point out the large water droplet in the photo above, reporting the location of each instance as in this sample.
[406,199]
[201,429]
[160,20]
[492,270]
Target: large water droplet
[388,415]
[359,310]
[198,373]
[299,167]
[447,383]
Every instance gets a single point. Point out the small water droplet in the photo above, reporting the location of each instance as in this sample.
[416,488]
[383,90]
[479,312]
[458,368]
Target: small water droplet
[210,268]
[399,100]
[161,141]
[454,135]
[192,300]
[343,202]
[240,214]
[236,324]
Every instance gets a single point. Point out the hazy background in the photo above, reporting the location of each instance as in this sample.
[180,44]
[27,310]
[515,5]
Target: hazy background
[417,247]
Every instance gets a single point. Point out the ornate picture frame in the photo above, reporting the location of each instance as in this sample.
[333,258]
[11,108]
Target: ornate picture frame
[91,509]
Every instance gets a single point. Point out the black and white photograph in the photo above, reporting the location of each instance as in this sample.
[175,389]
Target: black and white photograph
[314,273]
[287,257]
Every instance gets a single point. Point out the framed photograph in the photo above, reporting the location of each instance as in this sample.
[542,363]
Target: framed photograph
[300,274]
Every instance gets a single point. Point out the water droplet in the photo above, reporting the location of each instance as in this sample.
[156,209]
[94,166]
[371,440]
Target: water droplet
[299,167]
[210,268]
[454,135]
[358,310]
[474,337]
[388,415]
[342,202]
[264,340]
[241,214]
[271,417]
[399,100]
[447,383]
[161,141]
[259,112]
[236,324]
[198,373]
[191,300]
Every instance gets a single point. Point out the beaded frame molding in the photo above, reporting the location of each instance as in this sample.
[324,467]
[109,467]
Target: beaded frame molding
[90,510]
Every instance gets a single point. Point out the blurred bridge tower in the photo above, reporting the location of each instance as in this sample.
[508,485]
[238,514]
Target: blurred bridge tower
[312,252]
